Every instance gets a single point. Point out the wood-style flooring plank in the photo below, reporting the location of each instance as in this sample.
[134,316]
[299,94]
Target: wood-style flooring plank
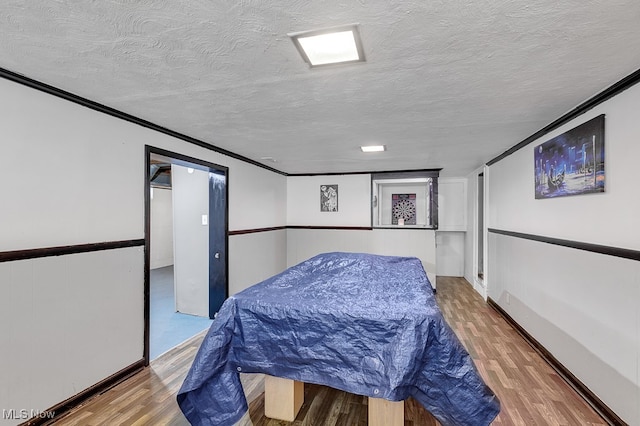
[530,391]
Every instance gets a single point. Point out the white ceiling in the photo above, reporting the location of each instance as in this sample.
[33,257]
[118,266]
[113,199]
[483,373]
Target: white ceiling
[448,84]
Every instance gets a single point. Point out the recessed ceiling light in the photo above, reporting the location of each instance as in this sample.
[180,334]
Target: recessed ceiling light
[337,45]
[373,148]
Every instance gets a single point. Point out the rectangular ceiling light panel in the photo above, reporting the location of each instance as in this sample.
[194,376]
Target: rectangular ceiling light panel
[329,46]
[373,148]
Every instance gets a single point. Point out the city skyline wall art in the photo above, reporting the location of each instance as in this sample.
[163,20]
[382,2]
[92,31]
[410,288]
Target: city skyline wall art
[571,163]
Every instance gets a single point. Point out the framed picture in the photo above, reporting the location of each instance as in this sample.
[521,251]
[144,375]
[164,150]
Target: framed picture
[328,198]
[572,163]
[403,209]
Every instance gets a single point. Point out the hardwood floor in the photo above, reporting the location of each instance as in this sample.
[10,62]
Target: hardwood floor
[530,391]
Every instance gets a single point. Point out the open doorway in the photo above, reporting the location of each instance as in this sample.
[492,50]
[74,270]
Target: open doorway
[185,247]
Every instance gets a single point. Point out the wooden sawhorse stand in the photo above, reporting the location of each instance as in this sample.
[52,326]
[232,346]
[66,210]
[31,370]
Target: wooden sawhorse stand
[284,397]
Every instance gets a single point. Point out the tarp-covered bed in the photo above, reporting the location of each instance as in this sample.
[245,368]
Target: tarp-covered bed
[362,323]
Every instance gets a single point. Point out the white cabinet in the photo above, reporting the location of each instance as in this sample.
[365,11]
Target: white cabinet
[452,211]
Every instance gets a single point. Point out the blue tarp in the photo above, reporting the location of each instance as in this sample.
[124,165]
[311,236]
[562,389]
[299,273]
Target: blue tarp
[362,323]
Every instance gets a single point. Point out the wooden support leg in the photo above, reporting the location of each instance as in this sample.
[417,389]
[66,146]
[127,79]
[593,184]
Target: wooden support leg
[385,413]
[282,398]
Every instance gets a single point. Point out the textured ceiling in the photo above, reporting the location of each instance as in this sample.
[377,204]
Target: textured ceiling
[448,84]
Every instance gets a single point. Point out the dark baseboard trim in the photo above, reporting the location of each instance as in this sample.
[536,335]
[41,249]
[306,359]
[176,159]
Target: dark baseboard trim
[59,410]
[408,228]
[336,228]
[594,248]
[596,403]
[606,94]
[9,256]
[278,228]
[328,228]
[256,230]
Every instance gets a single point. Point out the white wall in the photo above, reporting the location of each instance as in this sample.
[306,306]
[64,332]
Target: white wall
[609,218]
[76,176]
[583,307]
[305,243]
[191,240]
[161,228]
[258,201]
[354,200]
[67,322]
[255,259]
[257,197]
[354,210]
[58,158]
